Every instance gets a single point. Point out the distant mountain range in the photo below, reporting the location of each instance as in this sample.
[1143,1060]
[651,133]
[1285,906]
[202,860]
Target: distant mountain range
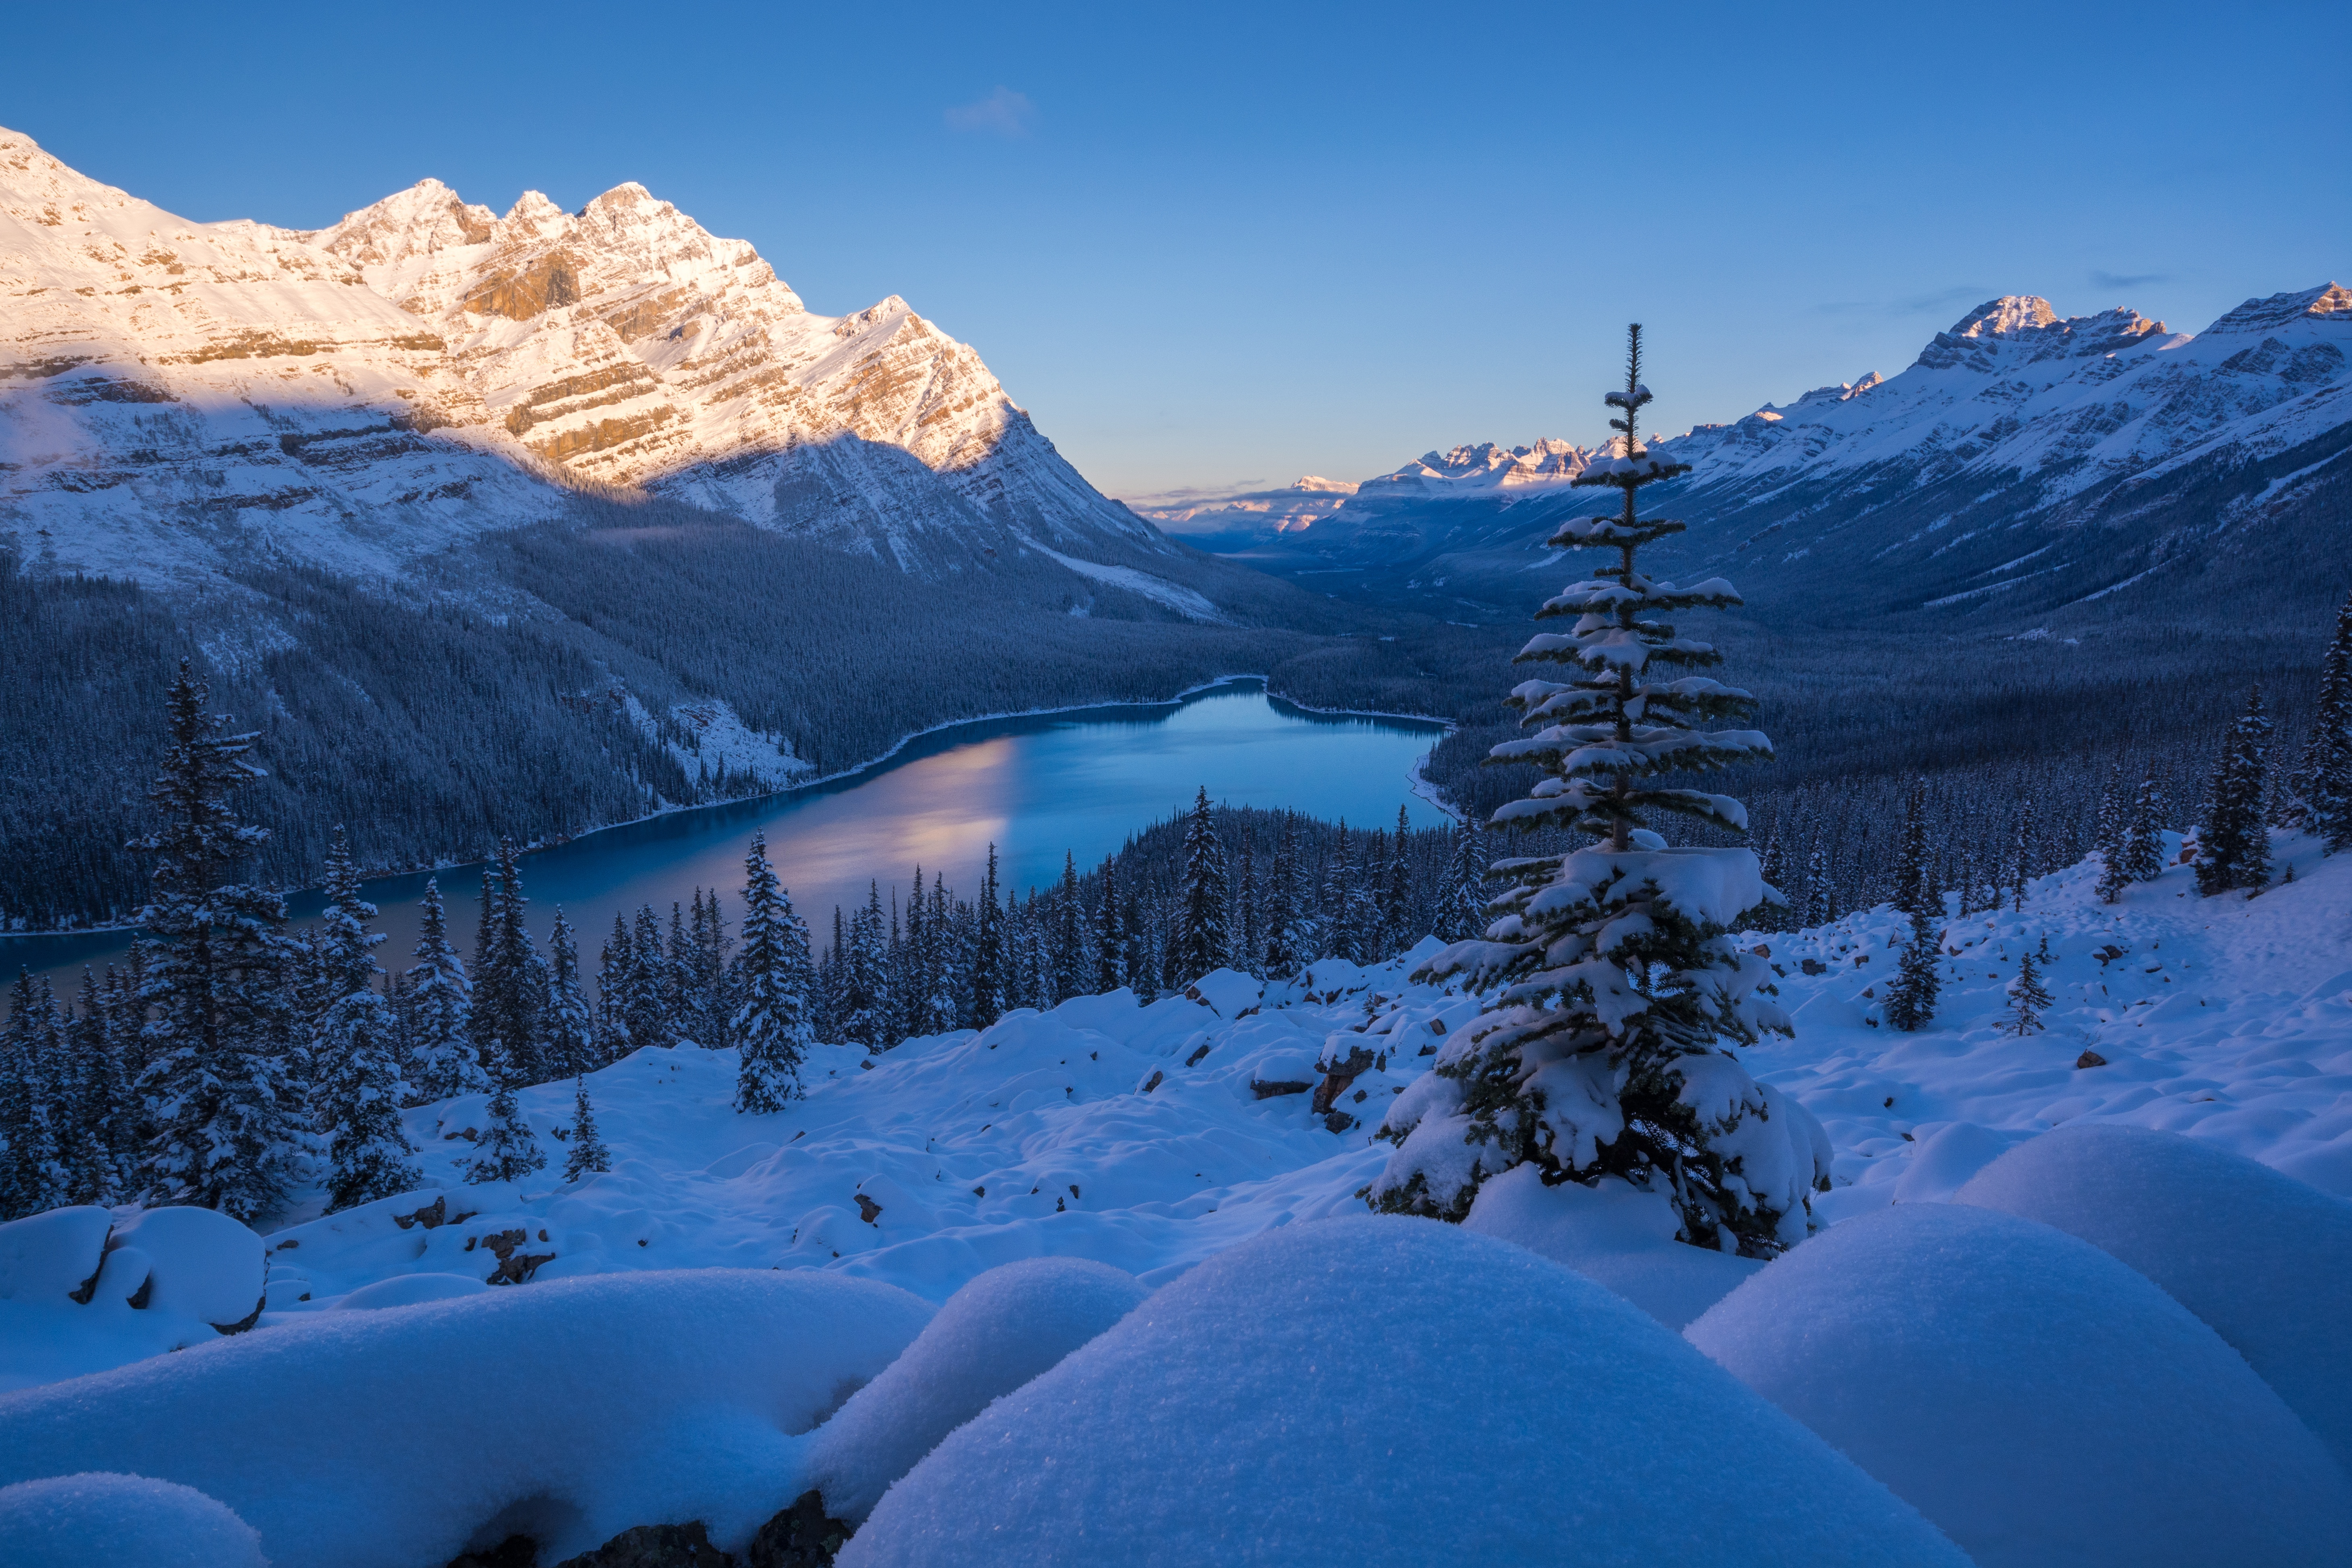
[176,395]
[2024,466]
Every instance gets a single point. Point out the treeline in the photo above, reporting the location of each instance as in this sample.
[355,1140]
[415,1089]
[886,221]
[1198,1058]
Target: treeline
[231,1059]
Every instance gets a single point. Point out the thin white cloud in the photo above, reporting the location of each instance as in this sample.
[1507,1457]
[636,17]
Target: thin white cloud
[1003,113]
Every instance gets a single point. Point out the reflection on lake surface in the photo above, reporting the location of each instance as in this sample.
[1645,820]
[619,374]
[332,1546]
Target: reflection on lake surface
[1081,782]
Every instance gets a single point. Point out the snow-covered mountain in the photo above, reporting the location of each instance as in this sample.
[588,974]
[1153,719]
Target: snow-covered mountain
[2025,464]
[173,393]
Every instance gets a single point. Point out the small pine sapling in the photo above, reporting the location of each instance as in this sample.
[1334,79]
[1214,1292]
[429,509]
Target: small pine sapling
[2028,998]
[509,1150]
[1911,1002]
[588,1155]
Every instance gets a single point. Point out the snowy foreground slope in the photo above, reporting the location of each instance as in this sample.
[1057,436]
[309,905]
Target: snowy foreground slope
[2174,1350]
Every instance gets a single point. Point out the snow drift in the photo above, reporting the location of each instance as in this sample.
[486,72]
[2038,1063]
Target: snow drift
[996,1333]
[2263,1258]
[1385,1390]
[568,1411]
[73,1521]
[2041,1401]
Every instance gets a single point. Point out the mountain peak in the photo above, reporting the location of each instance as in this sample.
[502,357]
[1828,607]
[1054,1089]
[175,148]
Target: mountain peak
[2006,317]
[2329,301]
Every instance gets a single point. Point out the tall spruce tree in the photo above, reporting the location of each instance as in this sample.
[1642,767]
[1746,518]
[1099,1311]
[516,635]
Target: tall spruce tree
[1284,951]
[1203,940]
[2028,997]
[509,980]
[1619,982]
[2142,847]
[2324,781]
[985,1002]
[1911,1000]
[2232,845]
[1911,876]
[436,1002]
[357,1048]
[223,1077]
[1111,945]
[31,1177]
[97,1112]
[773,1027]
[568,1036]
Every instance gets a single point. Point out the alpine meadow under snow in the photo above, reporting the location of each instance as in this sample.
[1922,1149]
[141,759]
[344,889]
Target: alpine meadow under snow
[1920,1135]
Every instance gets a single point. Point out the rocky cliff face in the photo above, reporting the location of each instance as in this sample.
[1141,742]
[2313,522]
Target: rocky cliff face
[175,393]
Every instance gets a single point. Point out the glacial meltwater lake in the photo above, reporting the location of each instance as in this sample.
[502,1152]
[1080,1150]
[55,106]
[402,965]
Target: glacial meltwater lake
[1036,786]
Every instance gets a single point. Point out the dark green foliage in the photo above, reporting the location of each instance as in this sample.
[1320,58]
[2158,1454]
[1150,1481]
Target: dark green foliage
[1911,1000]
[2232,845]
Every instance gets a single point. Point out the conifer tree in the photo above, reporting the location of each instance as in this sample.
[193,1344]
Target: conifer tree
[1817,904]
[1911,1000]
[2142,851]
[2028,998]
[1203,939]
[1069,938]
[224,1060]
[2324,781]
[1619,982]
[569,1033]
[615,962]
[510,1150]
[645,1008]
[1110,943]
[588,1155]
[1911,890]
[2232,845]
[436,1000]
[986,1003]
[1142,949]
[509,980]
[1248,940]
[1462,898]
[30,1178]
[943,978]
[1396,897]
[773,1024]
[93,1157]
[1282,956]
[357,1049]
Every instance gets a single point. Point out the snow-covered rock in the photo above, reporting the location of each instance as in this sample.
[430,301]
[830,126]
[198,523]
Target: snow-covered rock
[200,1263]
[1006,1327]
[1385,1390]
[2263,1258]
[73,1521]
[2038,1401]
[567,1412]
[53,1256]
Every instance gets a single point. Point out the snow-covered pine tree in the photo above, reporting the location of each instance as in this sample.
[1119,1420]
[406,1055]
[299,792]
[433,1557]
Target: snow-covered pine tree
[2323,782]
[2143,849]
[1282,955]
[644,1006]
[1814,905]
[509,980]
[1396,897]
[2113,827]
[2028,997]
[357,1050]
[510,1150]
[773,1024]
[588,1155]
[864,1003]
[1202,941]
[434,1002]
[92,1155]
[2232,845]
[30,1176]
[614,963]
[1070,963]
[943,975]
[568,1034]
[1911,1000]
[1144,973]
[1462,898]
[985,1002]
[1620,984]
[1249,940]
[224,1076]
[1911,889]
[1110,940]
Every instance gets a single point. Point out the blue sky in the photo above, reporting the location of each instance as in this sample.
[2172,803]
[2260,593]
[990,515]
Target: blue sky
[1215,246]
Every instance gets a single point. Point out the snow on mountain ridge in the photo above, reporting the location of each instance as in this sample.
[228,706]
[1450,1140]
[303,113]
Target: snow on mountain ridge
[425,369]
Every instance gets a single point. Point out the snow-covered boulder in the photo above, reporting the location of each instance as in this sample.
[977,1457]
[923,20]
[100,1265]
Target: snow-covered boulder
[2041,1401]
[1383,1390]
[1611,1232]
[1227,993]
[996,1333]
[53,1256]
[200,1263]
[132,1521]
[2264,1258]
[567,1411]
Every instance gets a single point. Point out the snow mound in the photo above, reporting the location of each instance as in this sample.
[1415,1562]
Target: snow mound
[567,1412]
[73,1521]
[2263,1258]
[2034,1397]
[205,1264]
[53,1256]
[411,1291]
[1613,1233]
[1385,1390]
[1006,1327]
